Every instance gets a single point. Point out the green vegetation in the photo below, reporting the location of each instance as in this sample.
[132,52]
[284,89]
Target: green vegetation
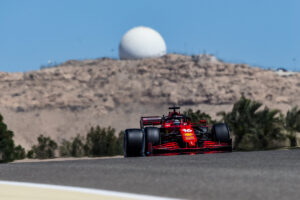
[6,143]
[98,142]
[102,142]
[65,149]
[44,149]
[254,128]
[8,151]
[19,153]
[119,143]
[291,124]
[73,148]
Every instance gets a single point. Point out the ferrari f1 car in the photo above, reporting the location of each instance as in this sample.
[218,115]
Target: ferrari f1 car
[175,134]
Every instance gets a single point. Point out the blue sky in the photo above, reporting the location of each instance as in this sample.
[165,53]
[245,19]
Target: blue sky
[258,32]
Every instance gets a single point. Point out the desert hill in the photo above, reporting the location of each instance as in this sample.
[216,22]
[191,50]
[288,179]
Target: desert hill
[66,100]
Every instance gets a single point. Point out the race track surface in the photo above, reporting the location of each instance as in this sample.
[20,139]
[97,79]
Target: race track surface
[237,175]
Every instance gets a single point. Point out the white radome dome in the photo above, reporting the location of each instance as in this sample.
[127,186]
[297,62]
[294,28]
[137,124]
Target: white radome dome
[142,42]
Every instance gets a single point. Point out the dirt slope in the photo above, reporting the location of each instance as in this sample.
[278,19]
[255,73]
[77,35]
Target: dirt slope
[66,100]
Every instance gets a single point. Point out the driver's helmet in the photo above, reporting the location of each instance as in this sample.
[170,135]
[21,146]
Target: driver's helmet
[176,121]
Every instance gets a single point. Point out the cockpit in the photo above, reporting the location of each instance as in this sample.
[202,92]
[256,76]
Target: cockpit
[175,122]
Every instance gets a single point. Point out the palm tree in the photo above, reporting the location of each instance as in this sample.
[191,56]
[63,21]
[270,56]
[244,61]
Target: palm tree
[268,128]
[241,119]
[292,124]
[253,128]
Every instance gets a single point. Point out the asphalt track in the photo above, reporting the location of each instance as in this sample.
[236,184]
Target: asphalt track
[237,175]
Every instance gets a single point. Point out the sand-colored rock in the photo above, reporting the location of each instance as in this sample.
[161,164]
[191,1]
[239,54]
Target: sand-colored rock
[66,100]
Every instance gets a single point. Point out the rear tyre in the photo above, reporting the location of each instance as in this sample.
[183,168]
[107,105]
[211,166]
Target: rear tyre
[152,138]
[133,143]
[220,132]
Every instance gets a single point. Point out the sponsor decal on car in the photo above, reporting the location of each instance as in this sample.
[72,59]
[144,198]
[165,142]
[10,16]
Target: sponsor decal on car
[188,134]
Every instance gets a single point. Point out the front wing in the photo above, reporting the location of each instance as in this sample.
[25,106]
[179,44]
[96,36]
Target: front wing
[207,146]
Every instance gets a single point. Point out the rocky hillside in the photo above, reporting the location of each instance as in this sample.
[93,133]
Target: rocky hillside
[66,100]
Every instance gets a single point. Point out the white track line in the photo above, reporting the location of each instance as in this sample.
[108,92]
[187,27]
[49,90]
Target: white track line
[85,190]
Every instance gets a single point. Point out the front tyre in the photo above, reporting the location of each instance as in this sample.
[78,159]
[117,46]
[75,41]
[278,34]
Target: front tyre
[133,143]
[220,132]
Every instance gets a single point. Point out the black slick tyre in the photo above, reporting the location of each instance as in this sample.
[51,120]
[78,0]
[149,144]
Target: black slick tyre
[152,138]
[133,143]
[220,132]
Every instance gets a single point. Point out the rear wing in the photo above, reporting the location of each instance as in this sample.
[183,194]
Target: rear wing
[150,121]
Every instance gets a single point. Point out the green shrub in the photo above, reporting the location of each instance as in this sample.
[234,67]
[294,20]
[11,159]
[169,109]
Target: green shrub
[119,145]
[30,154]
[7,146]
[74,148]
[101,142]
[65,148]
[78,146]
[98,142]
[19,152]
[45,148]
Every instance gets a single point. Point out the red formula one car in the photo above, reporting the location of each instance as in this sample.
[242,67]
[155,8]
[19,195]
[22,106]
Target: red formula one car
[175,134]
